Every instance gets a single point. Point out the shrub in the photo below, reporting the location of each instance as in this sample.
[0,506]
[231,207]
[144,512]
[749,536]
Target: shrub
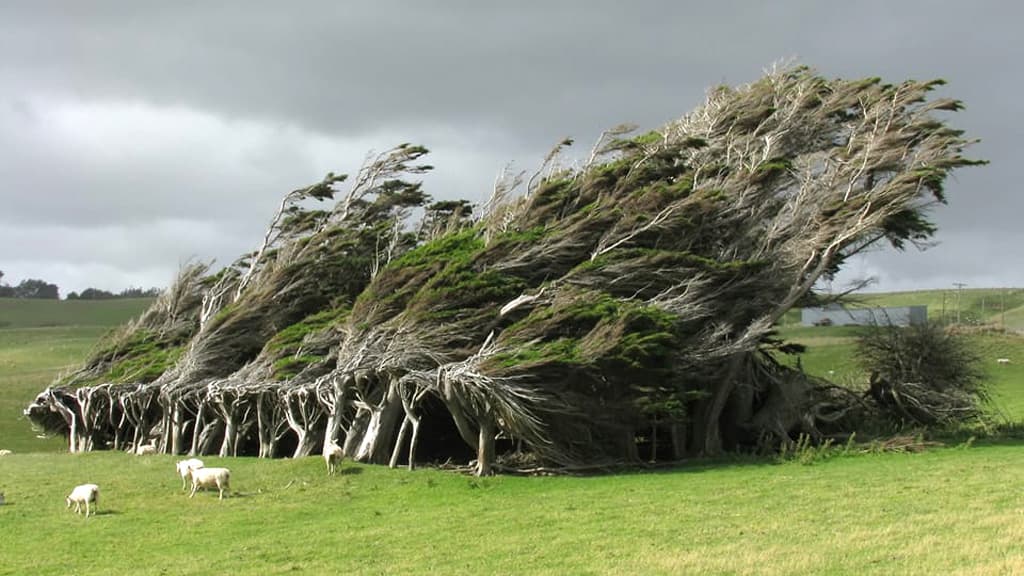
[923,374]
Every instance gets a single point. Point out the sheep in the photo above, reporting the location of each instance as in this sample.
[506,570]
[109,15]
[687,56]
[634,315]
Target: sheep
[145,450]
[1002,360]
[332,456]
[208,478]
[84,494]
[184,466]
[2,501]
[5,452]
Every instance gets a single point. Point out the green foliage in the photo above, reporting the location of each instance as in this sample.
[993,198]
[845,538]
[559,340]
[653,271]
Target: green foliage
[289,366]
[561,350]
[457,283]
[455,247]
[287,341]
[768,173]
[460,287]
[652,137]
[646,339]
[524,237]
[907,225]
[140,356]
[145,365]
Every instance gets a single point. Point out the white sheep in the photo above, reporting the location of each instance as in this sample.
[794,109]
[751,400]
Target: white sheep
[5,452]
[84,494]
[146,449]
[208,478]
[1002,360]
[332,456]
[184,466]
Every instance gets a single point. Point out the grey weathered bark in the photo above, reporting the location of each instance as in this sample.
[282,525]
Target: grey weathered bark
[304,414]
[485,448]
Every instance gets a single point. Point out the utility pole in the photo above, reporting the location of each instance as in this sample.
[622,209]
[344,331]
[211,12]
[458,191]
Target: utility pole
[959,288]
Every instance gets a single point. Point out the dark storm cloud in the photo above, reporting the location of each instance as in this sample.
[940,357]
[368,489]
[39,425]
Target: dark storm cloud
[148,117]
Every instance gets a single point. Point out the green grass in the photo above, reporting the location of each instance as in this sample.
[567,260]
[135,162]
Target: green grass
[945,511]
[30,313]
[38,340]
[949,510]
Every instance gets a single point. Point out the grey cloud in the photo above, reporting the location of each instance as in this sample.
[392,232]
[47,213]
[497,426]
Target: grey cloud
[250,99]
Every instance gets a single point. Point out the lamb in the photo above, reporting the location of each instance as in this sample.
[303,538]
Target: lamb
[208,478]
[184,466]
[84,494]
[5,452]
[332,456]
[146,450]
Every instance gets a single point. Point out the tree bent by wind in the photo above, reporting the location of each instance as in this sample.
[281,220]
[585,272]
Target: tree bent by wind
[595,316]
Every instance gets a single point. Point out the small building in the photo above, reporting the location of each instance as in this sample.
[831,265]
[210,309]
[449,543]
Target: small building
[838,315]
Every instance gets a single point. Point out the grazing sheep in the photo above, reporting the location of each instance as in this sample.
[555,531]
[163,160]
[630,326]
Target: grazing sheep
[146,449]
[1002,360]
[208,478]
[184,466]
[84,494]
[5,452]
[332,456]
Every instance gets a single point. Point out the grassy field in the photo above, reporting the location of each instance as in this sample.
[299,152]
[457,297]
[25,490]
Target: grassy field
[954,510]
[27,313]
[40,338]
[951,510]
[946,511]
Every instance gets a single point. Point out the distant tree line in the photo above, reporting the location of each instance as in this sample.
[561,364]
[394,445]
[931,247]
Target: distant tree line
[35,288]
[29,288]
[97,294]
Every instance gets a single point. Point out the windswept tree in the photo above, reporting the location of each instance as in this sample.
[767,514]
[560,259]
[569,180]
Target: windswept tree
[617,311]
[924,374]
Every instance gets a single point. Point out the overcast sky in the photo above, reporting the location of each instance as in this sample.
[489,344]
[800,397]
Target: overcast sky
[135,136]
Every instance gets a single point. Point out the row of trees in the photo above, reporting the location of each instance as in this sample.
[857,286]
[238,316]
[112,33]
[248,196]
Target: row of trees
[34,288]
[98,294]
[618,310]
[29,288]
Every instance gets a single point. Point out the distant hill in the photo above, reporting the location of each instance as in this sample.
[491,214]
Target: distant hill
[997,306]
[39,313]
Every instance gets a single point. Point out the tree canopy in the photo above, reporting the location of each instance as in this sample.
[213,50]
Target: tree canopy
[619,310]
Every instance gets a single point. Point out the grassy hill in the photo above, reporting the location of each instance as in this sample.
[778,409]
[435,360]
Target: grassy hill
[38,339]
[977,306]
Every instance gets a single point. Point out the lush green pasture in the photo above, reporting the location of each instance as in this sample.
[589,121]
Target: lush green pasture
[38,339]
[30,313]
[947,511]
